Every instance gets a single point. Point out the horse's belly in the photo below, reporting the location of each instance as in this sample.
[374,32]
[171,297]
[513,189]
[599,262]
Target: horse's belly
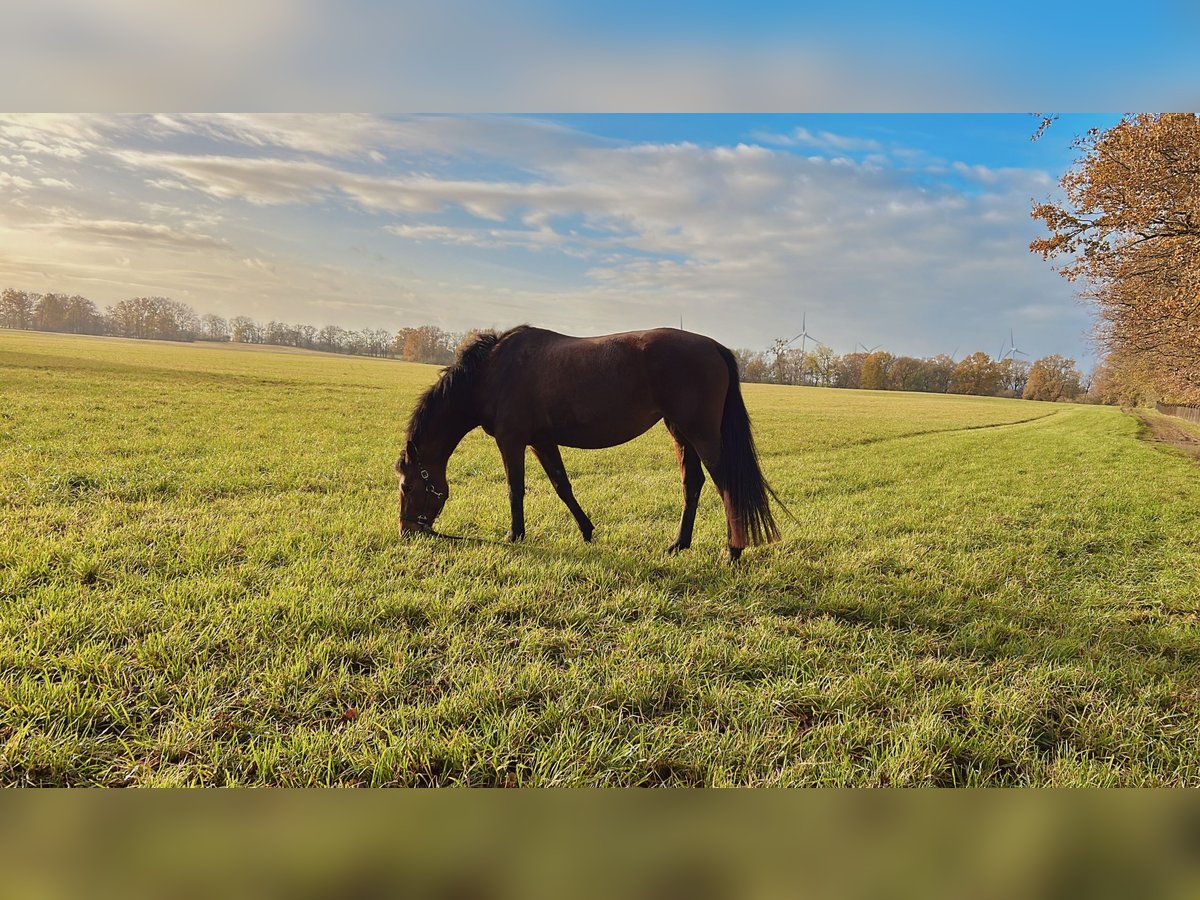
[594,436]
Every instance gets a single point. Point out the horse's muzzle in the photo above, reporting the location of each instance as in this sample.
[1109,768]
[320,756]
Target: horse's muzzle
[412,528]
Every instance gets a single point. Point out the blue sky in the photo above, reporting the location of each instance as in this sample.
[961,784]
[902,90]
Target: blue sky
[983,138]
[906,230]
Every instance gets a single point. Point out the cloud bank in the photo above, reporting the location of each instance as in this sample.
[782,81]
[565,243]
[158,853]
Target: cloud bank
[386,221]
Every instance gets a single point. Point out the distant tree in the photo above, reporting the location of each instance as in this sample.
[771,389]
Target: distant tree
[174,321]
[156,318]
[244,330]
[1053,378]
[939,371]
[355,344]
[1121,381]
[847,371]
[875,367]
[742,355]
[416,345]
[331,339]
[1014,374]
[50,312]
[307,335]
[399,343]
[784,366]
[275,333]
[16,309]
[907,374]
[132,318]
[820,365]
[1104,387]
[791,367]
[376,342]
[213,328]
[752,367]
[425,344]
[281,334]
[82,317]
[976,374]
[757,369]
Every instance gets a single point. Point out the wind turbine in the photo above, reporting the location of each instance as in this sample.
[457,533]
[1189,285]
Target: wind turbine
[803,337]
[1013,350]
[866,349]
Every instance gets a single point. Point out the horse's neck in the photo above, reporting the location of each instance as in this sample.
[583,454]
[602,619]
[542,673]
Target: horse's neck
[445,432]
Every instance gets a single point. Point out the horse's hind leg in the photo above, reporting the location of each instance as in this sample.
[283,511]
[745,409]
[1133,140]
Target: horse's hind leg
[692,473]
[710,453]
[551,459]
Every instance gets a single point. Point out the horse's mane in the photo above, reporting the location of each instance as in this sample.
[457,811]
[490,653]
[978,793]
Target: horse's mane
[455,378]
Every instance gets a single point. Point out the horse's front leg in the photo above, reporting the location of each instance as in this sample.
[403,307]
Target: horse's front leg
[551,459]
[513,454]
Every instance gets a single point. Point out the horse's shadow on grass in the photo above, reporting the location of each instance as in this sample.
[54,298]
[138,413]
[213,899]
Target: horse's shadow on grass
[542,551]
[794,591]
[700,570]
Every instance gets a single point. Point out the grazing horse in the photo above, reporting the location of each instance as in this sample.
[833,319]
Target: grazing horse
[534,388]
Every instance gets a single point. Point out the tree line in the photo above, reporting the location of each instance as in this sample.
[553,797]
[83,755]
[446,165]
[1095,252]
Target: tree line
[160,318]
[1049,378]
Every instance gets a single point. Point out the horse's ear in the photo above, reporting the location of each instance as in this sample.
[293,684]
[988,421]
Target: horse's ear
[410,452]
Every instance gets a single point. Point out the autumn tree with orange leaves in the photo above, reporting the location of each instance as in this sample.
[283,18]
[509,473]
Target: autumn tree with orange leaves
[1053,378]
[1130,229]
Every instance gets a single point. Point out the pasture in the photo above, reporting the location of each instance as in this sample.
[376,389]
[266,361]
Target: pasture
[201,582]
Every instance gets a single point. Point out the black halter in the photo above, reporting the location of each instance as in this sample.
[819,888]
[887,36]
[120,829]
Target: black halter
[422,521]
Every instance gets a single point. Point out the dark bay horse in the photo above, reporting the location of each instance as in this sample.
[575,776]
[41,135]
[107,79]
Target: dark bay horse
[534,388]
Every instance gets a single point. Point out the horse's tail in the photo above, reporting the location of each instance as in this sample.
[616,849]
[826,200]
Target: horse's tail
[749,492]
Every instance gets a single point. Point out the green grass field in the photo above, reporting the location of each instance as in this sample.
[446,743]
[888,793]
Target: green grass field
[201,582]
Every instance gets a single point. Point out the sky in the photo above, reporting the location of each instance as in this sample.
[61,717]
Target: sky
[616,56]
[907,231]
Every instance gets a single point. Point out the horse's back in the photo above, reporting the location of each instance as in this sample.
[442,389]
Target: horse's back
[652,360]
[680,347]
[603,390]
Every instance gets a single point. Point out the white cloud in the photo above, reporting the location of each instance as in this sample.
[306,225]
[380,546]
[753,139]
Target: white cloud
[8,180]
[118,232]
[824,140]
[741,238]
[519,140]
[536,238]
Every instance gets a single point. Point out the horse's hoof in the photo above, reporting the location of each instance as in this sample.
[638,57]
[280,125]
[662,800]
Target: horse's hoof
[735,553]
[677,547]
[587,536]
[513,537]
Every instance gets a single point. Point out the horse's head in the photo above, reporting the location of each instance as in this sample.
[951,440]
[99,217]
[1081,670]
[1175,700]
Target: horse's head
[423,492]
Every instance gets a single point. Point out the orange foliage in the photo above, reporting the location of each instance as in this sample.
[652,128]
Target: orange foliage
[1130,228]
